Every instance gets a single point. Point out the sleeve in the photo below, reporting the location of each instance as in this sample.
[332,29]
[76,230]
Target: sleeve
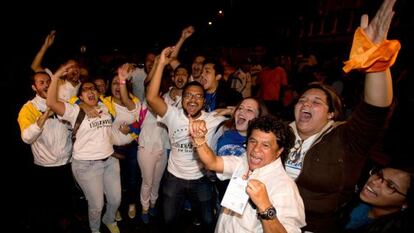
[230,165]
[71,113]
[29,129]
[218,132]
[168,118]
[118,138]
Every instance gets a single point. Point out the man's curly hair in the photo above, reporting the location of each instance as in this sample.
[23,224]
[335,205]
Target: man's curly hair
[284,134]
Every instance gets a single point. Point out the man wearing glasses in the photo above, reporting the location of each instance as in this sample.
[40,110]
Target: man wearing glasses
[185,177]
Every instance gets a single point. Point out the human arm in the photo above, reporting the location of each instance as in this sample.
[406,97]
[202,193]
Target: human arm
[90,111]
[120,136]
[228,111]
[37,61]
[52,100]
[42,119]
[154,100]
[31,122]
[152,71]
[258,194]
[198,131]
[124,72]
[187,32]
[378,85]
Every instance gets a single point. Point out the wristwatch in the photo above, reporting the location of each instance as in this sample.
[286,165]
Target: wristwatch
[269,213]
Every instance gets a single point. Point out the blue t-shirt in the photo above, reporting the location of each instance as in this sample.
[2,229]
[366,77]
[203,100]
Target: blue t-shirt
[359,217]
[210,104]
[231,143]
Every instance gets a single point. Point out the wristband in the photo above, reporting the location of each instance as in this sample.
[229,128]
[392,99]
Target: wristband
[195,144]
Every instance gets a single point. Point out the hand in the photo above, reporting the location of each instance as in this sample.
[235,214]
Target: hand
[93,113]
[229,110]
[124,128]
[197,128]
[258,194]
[63,70]
[377,29]
[50,38]
[125,71]
[165,57]
[174,93]
[90,111]
[187,32]
[49,112]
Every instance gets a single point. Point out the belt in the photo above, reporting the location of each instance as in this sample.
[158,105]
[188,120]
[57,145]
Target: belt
[103,160]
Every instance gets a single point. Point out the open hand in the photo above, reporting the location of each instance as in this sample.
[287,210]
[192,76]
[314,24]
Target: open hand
[377,29]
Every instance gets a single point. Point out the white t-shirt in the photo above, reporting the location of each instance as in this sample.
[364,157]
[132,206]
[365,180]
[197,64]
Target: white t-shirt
[138,78]
[153,136]
[67,91]
[96,136]
[183,161]
[123,115]
[168,100]
[283,194]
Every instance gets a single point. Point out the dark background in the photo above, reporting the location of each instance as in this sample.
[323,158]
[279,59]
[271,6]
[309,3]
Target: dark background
[137,27]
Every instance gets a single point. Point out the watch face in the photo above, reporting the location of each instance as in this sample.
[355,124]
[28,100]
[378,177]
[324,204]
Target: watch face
[271,213]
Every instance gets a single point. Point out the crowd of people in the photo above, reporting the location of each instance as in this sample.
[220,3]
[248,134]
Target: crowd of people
[268,146]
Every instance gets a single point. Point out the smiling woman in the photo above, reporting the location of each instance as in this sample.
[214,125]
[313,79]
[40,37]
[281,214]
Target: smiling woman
[385,202]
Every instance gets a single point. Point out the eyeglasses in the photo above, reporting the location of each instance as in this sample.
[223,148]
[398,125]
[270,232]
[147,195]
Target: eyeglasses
[389,184]
[190,95]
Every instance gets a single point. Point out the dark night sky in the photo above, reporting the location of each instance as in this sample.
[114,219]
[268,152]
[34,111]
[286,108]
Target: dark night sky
[135,25]
[127,26]
[141,25]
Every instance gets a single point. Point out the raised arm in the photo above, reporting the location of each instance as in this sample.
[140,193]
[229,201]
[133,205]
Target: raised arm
[378,85]
[37,61]
[152,71]
[154,100]
[187,32]
[52,94]
[198,131]
[124,72]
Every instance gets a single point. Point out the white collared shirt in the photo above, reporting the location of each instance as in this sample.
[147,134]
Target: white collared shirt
[283,194]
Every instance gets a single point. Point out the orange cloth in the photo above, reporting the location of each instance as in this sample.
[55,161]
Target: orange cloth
[369,57]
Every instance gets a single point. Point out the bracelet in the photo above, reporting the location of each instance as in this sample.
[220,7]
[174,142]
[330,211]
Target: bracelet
[122,82]
[195,144]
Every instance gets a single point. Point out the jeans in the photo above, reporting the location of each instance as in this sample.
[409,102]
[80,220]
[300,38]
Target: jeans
[96,178]
[199,192]
[130,177]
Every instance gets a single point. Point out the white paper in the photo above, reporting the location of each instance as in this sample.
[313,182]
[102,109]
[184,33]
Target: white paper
[235,198]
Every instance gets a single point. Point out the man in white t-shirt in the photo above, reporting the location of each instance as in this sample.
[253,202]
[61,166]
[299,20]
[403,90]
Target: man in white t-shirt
[51,145]
[185,176]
